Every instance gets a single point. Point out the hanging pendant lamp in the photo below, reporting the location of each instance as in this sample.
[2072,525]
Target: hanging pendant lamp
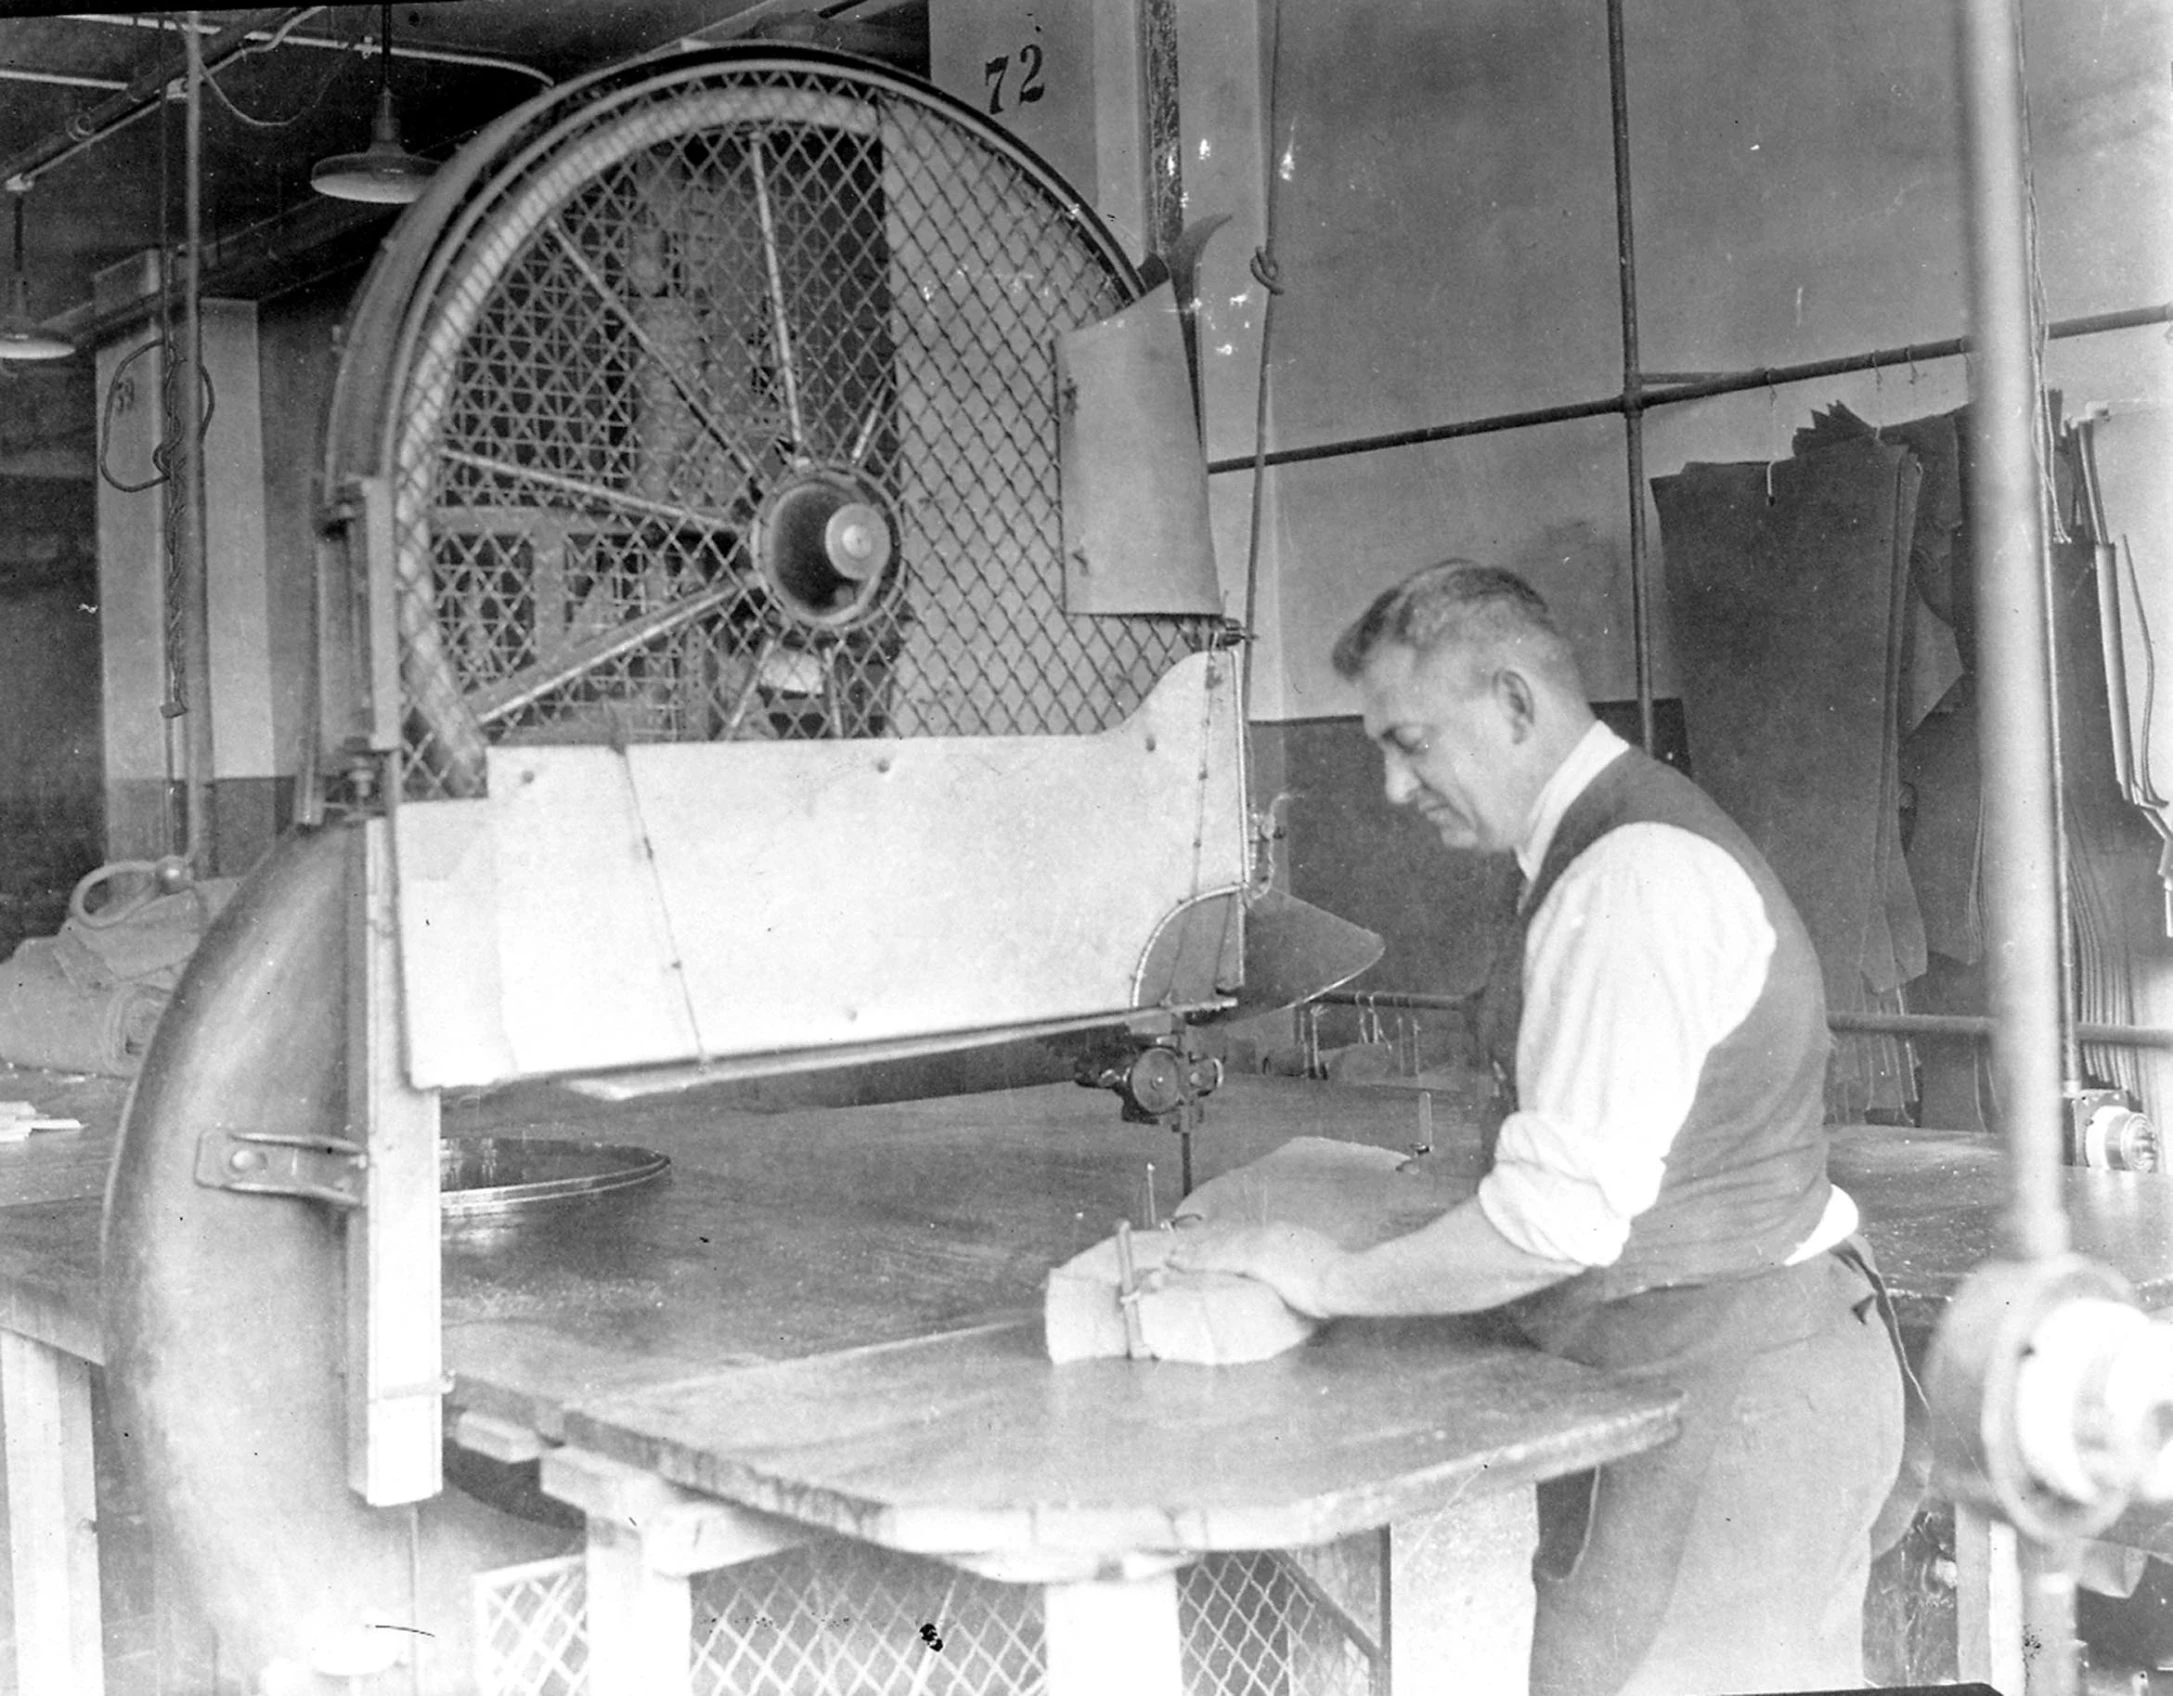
[22,336]
[384,173]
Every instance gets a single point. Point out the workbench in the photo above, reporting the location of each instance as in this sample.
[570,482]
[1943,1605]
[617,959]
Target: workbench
[854,1353]
[822,1325]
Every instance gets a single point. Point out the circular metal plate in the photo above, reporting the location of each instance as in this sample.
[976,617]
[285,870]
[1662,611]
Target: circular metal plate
[481,1177]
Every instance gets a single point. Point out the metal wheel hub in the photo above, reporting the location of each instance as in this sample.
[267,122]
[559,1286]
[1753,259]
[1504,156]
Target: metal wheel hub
[823,542]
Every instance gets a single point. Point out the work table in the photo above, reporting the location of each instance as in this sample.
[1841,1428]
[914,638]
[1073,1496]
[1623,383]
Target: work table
[830,1317]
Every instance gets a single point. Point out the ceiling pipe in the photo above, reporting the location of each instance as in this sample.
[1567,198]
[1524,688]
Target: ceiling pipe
[141,95]
[59,79]
[332,44]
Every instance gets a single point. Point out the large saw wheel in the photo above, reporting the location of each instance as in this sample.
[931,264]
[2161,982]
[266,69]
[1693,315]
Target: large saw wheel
[719,403]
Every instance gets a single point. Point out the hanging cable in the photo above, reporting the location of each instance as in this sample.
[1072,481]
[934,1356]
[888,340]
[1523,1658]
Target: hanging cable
[308,106]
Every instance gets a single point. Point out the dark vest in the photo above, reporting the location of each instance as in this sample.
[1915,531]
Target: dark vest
[1745,1180]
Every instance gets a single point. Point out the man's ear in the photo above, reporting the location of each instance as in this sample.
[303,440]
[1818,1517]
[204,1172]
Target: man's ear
[1518,701]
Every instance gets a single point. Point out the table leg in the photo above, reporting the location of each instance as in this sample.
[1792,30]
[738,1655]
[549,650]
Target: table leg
[45,1413]
[645,1538]
[1114,1635]
[640,1621]
[1987,1600]
[1460,1598]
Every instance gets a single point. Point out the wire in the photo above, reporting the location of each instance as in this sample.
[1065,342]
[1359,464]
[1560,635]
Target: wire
[161,453]
[308,106]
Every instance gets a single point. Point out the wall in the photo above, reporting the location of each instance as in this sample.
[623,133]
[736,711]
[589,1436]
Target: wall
[1447,242]
[1448,251]
[1445,232]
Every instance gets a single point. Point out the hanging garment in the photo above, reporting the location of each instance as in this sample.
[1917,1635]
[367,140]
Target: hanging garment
[1787,588]
[2126,451]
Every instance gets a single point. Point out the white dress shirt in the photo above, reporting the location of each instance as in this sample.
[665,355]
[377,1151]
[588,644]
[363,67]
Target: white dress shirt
[1650,948]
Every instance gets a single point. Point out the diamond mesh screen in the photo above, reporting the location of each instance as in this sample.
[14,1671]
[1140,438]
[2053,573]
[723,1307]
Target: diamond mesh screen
[531,1636]
[838,1616]
[662,347]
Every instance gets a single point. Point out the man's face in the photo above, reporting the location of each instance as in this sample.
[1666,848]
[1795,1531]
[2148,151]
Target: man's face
[1451,744]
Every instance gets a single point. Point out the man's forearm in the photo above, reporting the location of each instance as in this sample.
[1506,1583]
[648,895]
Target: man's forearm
[1457,1264]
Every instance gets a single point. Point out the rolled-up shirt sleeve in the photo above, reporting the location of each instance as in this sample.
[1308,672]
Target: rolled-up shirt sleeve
[1650,948]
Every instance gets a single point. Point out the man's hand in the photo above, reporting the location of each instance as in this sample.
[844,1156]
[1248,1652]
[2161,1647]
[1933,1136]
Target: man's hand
[1291,1260]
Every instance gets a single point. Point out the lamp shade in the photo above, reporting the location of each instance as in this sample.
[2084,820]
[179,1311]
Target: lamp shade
[383,173]
[21,336]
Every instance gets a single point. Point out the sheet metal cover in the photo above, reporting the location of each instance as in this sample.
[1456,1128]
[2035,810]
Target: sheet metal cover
[1136,532]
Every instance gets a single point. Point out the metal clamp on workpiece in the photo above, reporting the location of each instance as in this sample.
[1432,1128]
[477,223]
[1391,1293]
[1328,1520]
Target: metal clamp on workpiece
[310,1168]
[2052,1397]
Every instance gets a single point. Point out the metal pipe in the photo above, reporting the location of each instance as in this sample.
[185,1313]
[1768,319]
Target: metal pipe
[195,573]
[1669,389]
[283,38]
[1975,1026]
[2014,697]
[1633,404]
[143,94]
[59,79]
[2063,912]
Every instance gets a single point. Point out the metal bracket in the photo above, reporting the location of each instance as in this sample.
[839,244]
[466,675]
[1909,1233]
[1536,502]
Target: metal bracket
[312,1168]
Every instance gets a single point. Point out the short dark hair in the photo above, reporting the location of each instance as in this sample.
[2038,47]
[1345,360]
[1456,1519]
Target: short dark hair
[1456,602]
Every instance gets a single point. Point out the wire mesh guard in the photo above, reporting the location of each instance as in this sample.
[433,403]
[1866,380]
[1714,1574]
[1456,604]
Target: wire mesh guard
[730,415]
[839,1618]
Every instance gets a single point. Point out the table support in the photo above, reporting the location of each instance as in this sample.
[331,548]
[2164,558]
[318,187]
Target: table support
[646,1538]
[1987,1600]
[1460,1597]
[1114,1635]
[52,1517]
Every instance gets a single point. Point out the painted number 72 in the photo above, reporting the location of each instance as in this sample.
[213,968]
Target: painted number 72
[1028,87]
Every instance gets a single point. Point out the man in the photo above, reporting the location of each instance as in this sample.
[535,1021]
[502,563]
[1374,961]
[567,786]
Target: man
[1657,1201]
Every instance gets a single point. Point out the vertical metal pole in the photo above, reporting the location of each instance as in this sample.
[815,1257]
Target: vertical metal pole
[2015,707]
[2015,685]
[1633,385]
[195,582]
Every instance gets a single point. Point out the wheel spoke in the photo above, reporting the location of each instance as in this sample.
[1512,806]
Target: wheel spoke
[531,683]
[696,403]
[780,328]
[602,493]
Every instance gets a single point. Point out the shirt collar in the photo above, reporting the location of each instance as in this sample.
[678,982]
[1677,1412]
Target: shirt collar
[1595,751]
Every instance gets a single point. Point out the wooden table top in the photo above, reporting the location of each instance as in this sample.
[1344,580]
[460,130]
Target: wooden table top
[1933,1202]
[783,1236]
[974,1444]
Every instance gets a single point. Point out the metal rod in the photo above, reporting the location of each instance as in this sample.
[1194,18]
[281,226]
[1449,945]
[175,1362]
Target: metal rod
[1633,404]
[1135,1340]
[1393,998]
[780,325]
[195,571]
[2014,696]
[1655,393]
[2063,912]
[1976,1027]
